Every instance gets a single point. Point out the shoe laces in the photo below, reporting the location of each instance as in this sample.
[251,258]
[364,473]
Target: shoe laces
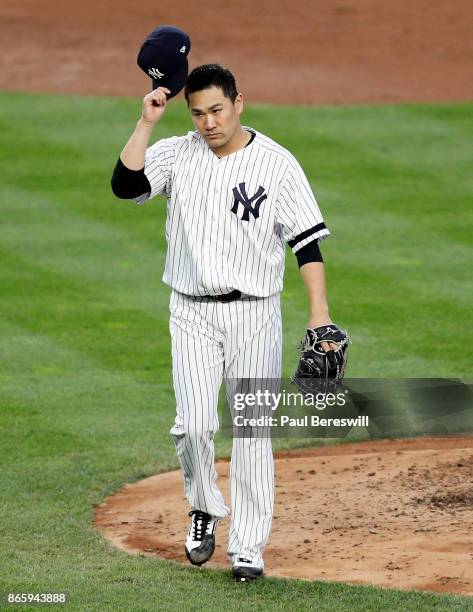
[200,522]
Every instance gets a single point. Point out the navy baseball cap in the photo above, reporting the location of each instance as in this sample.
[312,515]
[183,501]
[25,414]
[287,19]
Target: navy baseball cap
[163,57]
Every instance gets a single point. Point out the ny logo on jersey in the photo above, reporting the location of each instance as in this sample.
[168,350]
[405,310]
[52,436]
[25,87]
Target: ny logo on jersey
[241,197]
[154,72]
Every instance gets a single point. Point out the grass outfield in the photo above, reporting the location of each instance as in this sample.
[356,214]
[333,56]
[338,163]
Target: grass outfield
[86,397]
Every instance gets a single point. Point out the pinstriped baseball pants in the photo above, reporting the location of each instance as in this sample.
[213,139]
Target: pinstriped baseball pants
[213,341]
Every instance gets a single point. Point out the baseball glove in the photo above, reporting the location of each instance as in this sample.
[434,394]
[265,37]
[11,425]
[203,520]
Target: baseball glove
[319,370]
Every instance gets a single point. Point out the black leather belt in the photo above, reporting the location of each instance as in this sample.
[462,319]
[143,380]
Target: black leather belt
[224,297]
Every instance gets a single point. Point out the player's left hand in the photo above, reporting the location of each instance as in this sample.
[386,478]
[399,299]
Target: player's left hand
[314,323]
[318,364]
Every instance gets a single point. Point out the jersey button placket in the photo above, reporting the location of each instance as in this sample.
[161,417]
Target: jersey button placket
[220,213]
[210,224]
[216,189]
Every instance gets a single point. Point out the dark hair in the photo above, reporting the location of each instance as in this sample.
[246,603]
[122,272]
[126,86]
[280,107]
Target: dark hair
[211,75]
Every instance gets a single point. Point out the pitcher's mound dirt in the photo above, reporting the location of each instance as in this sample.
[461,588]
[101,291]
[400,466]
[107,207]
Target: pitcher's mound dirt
[393,513]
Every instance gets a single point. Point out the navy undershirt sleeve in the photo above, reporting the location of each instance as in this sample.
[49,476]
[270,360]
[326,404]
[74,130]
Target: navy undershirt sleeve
[127,184]
[309,252]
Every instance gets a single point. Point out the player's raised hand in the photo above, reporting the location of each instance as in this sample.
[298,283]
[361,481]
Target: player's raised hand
[154,105]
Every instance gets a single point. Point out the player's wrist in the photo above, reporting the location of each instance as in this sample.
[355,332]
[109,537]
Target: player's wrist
[145,124]
[319,318]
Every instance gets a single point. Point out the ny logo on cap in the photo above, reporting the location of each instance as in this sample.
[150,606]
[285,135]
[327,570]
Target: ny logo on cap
[241,198]
[154,72]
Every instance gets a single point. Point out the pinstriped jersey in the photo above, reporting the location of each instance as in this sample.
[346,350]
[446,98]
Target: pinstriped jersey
[229,218]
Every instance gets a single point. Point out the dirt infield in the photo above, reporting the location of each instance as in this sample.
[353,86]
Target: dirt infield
[388,513]
[303,52]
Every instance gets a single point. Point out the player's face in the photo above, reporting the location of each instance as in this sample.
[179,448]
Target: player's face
[215,116]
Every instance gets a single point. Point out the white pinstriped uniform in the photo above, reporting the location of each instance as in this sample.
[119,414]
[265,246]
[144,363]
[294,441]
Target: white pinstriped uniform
[228,220]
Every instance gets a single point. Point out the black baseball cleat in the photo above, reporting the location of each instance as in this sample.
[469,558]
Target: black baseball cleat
[244,570]
[200,541]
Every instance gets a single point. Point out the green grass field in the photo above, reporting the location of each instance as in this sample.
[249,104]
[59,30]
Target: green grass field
[86,396]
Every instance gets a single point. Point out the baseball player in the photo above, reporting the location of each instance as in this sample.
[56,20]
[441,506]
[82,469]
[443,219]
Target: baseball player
[234,199]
